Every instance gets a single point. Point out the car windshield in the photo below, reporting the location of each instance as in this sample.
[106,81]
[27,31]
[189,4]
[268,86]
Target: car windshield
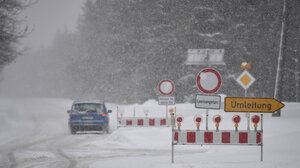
[88,107]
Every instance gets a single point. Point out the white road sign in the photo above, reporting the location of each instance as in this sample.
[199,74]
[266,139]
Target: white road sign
[209,80]
[166,100]
[208,101]
[166,87]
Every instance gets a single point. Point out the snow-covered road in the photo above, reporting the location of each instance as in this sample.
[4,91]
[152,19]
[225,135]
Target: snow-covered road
[34,133]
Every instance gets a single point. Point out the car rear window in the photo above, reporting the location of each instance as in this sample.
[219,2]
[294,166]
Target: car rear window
[88,107]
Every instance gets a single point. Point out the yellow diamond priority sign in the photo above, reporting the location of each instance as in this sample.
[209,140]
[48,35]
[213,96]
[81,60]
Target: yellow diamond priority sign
[245,79]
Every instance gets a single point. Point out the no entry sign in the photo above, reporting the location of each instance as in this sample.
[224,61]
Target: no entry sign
[209,81]
[166,87]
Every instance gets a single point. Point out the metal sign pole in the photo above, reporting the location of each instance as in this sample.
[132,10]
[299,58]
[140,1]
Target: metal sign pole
[173,124]
[118,117]
[262,132]
[247,115]
[167,111]
[206,119]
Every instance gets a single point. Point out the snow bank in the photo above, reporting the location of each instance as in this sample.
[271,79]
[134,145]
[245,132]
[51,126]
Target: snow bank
[26,119]
[281,146]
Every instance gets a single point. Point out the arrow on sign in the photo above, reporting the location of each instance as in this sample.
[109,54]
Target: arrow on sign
[258,105]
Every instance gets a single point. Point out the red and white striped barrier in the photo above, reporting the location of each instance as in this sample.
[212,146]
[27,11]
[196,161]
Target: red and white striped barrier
[188,137]
[143,122]
[217,137]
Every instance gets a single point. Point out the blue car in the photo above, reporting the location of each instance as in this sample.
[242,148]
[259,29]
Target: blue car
[88,116]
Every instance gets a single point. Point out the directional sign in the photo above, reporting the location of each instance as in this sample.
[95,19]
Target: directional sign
[209,80]
[166,87]
[246,104]
[208,101]
[245,80]
[166,100]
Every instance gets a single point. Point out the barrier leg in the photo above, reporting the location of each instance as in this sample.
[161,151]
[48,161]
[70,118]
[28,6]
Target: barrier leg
[172,147]
[172,125]
[118,125]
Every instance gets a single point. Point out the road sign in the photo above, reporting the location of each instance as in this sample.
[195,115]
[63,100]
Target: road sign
[208,101]
[205,57]
[166,87]
[255,119]
[197,118]
[258,105]
[217,118]
[166,100]
[245,65]
[245,80]
[179,118]
[236,119]
[209,80]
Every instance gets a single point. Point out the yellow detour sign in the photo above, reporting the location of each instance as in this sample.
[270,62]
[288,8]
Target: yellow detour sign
[246,104]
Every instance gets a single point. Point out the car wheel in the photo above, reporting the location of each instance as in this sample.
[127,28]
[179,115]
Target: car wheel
[73,130]
[106,130]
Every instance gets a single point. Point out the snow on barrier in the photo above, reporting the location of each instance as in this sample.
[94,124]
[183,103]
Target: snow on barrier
[141,121]
[217,137]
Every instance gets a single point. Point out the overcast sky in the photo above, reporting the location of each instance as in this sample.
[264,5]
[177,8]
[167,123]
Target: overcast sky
[47,17]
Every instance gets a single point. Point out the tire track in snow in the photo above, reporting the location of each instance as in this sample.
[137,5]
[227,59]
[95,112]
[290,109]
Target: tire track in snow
[10,155]
[54,145]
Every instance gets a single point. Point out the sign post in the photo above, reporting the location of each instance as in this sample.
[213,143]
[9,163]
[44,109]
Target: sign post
[166,87]
[246,80]
[208,81]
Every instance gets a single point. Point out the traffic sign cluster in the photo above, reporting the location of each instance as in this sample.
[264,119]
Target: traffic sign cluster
[209,82]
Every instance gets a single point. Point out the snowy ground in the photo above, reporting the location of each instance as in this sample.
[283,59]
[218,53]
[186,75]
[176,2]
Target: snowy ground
[34,133]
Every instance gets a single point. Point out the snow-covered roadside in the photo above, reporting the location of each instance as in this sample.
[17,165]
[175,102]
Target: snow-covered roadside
[34,133]
[152,146]
[29,117]
[28,122]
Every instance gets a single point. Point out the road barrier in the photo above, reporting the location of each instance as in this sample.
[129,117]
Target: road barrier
[217,137]
[141,121]
[186,137]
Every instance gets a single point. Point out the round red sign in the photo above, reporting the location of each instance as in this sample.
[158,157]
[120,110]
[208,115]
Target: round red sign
[255,119]
[209,81]
[198,119]
[166,87]
[217,118]
[236,119]
[179,119]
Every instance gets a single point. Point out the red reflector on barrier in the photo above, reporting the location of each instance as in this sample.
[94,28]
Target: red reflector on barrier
[140,122]
[258,137]
[128,122]
[163,122]
[176,136]
[151,122]
[208,137]
[191,137]
[243,137]
[225,137]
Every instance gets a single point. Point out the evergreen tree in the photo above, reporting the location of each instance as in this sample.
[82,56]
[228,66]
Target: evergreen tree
[11,30]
